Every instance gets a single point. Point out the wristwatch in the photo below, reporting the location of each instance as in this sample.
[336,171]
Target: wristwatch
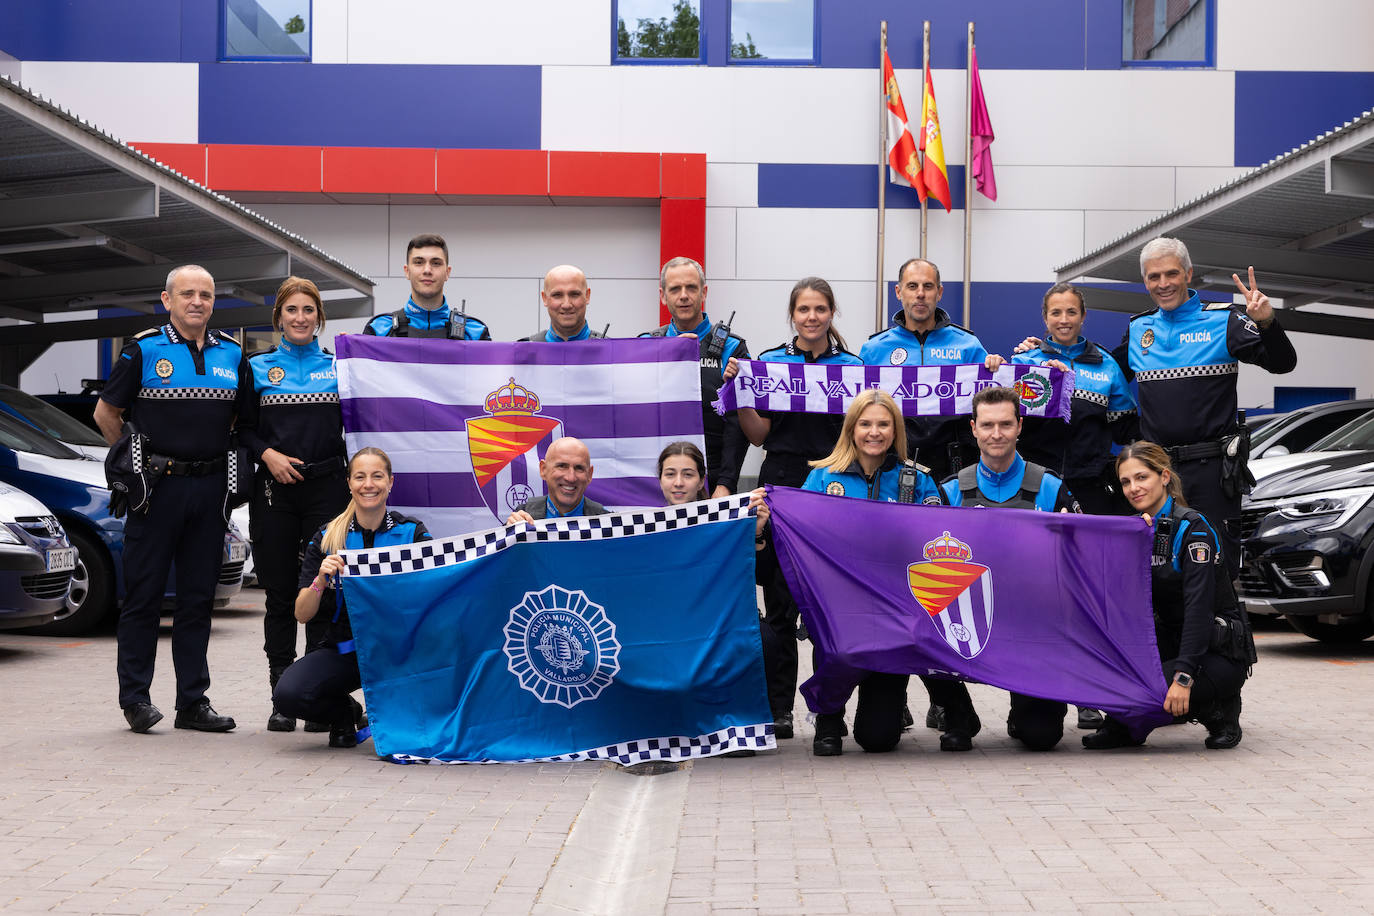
[1183,679]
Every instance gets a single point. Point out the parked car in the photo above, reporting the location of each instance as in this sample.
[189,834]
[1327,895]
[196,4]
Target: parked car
[1297,430]
[1307,537]
[36,561]
[53,421]
[74,489]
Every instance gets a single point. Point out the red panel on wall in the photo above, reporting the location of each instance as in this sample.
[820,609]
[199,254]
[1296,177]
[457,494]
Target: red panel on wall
[358,170]
[514,172]
[681,233]
[625,175]
[186,158]
[684,175]
[232,167]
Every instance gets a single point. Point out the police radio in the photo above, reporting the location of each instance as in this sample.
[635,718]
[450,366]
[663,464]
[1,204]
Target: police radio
[1163,548]
[606,330]
[715,347]
[458,322]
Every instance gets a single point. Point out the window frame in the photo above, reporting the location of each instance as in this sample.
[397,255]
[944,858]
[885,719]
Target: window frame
[1209,60]
[813,61]
[225,57]
[618,61]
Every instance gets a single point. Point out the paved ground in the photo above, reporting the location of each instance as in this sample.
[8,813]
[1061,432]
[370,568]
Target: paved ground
[94,819]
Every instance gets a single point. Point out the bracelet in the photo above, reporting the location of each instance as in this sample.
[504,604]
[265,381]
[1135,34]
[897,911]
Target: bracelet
[315,588]
[760,539]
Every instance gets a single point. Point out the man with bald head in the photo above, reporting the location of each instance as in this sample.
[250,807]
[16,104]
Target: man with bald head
[565,295]
[566,470]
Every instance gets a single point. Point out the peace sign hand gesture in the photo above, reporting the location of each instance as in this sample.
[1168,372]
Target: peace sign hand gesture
[1256,303]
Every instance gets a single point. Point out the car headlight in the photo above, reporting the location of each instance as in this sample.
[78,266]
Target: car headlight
[1327,510]
[7,536]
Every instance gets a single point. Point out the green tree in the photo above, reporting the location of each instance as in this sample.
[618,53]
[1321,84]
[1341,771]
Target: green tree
[295,25]
[679,36]
[745,50]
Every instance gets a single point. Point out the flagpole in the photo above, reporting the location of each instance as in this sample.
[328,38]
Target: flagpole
[968,184]
[880,304]
[925,65]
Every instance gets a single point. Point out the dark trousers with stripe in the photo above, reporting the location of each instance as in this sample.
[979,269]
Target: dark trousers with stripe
[184,525]
[317,688]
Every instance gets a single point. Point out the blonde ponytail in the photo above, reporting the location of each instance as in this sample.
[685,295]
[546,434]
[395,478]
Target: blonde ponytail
[337,530]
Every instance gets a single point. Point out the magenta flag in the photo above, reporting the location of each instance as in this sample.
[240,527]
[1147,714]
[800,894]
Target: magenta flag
[980,129]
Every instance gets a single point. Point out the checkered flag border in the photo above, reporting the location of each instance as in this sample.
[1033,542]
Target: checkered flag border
[757,737]
[385,561]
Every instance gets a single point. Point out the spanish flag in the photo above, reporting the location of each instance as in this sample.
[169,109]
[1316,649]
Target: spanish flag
[901,145]
[934,173]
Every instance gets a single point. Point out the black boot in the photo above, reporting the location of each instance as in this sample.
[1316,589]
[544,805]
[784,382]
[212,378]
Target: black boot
[1090,719]
[959,730]
[1223,725]
[346,735]
[278,722]
[829,740]
[1112,734]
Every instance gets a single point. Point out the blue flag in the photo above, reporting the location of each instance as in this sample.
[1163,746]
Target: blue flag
[630,637]
[1049,605]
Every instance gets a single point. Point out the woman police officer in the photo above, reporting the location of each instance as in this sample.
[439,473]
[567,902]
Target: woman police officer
[1205,643]
[294,428]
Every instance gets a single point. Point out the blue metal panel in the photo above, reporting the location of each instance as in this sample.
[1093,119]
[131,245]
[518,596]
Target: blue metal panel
[96,30]
[1277,111]
[786,184]
[486,107]
[1291,398]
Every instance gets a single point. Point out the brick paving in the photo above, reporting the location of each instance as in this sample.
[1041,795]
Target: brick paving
[94,819]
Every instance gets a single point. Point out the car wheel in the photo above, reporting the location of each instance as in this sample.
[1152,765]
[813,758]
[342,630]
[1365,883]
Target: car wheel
[1352,630]
[91,597]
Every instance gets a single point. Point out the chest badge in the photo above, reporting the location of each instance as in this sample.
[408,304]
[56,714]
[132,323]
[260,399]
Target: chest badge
[276,374]
[835,488]
[1147,340]
[163,368]
[897,357]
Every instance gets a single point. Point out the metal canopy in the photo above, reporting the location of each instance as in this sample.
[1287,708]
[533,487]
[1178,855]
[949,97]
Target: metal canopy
[87,222]
[1305,220]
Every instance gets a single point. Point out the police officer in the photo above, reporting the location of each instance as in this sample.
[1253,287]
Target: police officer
[923,335]
[427,313]
[1184,356]
[682,290]
[293,426]
[565,295]
[182,385]
[791,441]
[1004,479]
[1103,406]
[868,461]
[566,470]
[1205,644]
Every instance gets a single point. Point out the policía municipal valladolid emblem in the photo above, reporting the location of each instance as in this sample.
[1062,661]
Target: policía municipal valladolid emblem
[504,446]
[1147,340]
[956,593]
[276,374]
[561,646]
[163,368]
[1033,389]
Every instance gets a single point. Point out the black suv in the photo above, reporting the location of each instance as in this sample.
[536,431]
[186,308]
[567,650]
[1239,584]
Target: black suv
[1307,536]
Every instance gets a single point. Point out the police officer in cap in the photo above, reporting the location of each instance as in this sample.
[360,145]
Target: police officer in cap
[682,290]
[565,295]
[427,313]
[182,385]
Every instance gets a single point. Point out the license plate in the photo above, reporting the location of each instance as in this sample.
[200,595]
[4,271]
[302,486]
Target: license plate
[62,559]
[238,552]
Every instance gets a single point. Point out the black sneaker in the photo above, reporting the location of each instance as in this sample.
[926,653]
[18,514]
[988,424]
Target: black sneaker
[203,718]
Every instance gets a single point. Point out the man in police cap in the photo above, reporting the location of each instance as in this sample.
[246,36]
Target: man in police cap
[427,313]
[682,290]
[182,386]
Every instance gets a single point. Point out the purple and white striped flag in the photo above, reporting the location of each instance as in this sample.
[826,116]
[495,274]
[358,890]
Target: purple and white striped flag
[922,391]
[466,422]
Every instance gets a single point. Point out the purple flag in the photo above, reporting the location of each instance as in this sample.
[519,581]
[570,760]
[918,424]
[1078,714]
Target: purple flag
[466,422]
[922,391]
[980,130]
[1049,605]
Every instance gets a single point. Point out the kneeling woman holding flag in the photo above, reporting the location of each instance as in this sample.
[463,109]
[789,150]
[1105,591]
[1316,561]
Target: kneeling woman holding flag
[319,686]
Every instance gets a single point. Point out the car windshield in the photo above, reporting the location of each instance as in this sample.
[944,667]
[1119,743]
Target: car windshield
[1356,435]
[20,436]
[49,418]
[1270,430]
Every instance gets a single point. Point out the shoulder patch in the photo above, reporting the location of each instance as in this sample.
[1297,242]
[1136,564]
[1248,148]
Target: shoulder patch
[226,337]
[1200,552]
[142,334]
[1216,306]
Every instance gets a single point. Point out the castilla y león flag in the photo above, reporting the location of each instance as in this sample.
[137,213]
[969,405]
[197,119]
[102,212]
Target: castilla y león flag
[901,145]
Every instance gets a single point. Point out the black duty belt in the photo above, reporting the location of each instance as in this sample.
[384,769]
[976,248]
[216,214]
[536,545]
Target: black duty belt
[1194,451]
[177,467]
[325,468]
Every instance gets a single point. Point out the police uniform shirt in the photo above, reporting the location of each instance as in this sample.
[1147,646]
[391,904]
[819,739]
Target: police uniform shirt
[1186,586]
[810,435]
[1103,411]
[1004,486]
[182,397]
[294,407]
[1185,363]
[426,320]
[552,336]
[883,486]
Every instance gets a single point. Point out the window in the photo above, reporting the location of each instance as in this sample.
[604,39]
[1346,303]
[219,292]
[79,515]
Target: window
[1164,33]
[773,30]
[658,30]
[265,30]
